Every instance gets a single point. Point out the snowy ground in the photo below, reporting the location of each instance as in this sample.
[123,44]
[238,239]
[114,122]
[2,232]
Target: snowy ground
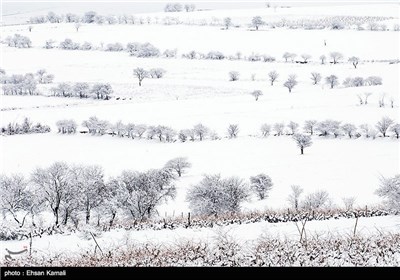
[194,91]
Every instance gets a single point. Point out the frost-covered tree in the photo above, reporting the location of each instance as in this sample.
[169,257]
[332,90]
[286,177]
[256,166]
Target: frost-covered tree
[173,7]
[336,56]
[69,17]
[157,73]
[383,125]
[294,196]
[290,83]
[322,58]
[327,127]
[396,129]
[81,90]
[315,200]
[63,90]
[49,44]
[53,17]
[348,202]
[305,57]
[286,56]
[43,77]
[142,50]
[315,77]
[302,141]
[273,75]
[365,128]
[142,192]
[190,7]
[293,126]
[227,22]
[214,195]
[114,47]
[389,189]
[170,53]
[233,130]
[278,128]
[89,17]
[256,94]
[68,44]
[265,129]
[309,126]
[140,73]
[66,126]
[16,198]
[256,22]
[354,60]
[54,186]
[349,129]
[77,25]
[179,165]
[18,41]
[233,76]
[373,81]
[366,95]
[102,91]
[201,131]
[261,184]
[332,80]
[92,189]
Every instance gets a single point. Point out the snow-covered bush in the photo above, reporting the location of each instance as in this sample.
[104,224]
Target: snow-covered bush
[215,195]
[68,44]
[18,41]
[116,47]
[261,184]
[215,55]
[233,130]
[157,73]
[390,191]
[66,126]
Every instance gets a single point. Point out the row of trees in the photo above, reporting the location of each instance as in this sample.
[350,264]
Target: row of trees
[201,132]
[333,128]
[79,192]
[178,7]
[83,90]
[26,127]
[18,84]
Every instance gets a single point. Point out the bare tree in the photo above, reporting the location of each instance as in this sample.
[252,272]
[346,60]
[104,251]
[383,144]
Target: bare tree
[309,126]
[140,73]
[256,94]
[54,183]
[366,95]
[302,141]
[291,82]
[273,75]
[293,126]
[201,131]
[294,197]
[350,129]
[227,22]
[348,202]
[336,56]
[305,57]
[257,22]
[178,164]
[322,58]
[265,129]
[315,200]
[278,128]
[332,80]
[77,26]
[233,130]
[389,189]
[396,129]
[315,77]
[354,60]
[233,76]
[383,125]
[15,198]
[261,184]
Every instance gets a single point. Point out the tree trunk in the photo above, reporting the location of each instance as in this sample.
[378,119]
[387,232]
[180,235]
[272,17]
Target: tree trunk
[66,217]
[87,216]
[301,149]
[179,172]
[56,214]
[140,83]
[256,27]
[112,219]
[290,90]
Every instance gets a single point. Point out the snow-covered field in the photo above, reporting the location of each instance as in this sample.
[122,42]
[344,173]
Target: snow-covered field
[198,91]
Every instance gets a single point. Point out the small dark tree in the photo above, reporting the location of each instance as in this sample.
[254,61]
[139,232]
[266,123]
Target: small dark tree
[140,73]
[332,80]
[315,77]
[290,83]
[233,130]
[354,60]
[383,125]
[273,75]
[256,94]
